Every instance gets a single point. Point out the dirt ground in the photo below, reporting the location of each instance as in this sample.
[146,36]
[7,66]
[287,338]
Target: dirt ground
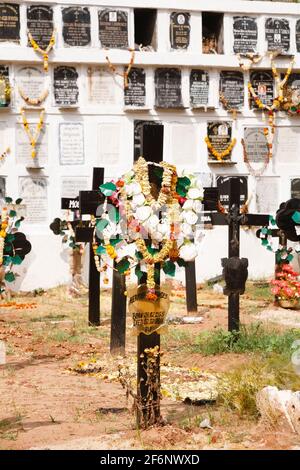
[45,405]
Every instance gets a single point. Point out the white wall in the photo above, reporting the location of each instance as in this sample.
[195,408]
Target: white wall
[47,264]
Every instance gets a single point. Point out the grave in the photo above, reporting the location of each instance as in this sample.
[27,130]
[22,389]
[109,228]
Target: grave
[9,22]
[168,88]
[245,34]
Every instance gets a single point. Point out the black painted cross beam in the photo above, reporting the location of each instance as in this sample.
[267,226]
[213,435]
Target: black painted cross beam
[88,203]
[235,269]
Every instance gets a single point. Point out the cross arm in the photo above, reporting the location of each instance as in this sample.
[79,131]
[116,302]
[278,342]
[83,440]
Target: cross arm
[89,201]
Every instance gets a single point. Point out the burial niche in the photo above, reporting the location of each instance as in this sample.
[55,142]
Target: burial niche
[212,33]
[145,29]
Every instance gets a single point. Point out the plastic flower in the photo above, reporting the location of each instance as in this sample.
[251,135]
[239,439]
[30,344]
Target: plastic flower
[188,252]
[194,193]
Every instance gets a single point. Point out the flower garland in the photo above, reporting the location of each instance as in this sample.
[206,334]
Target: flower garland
[4,154]
[282,253]
[220,156]
[264,166]
[33,138]
[125,74]
[43,52]
[7,91]
[34,101]
[137,231]
[227,107]
[252,57]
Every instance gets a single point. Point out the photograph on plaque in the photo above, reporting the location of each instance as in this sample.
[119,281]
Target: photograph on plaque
[223,187]
[298,35]
[71,185]
[33,191]
[180,30]
[256,144]
[263,84]
[66,91]
[2,187]
[267,195]
[199,88]
[71,143]
[168,88]
[295,188]
[245,34]
[135,93]
[5,88]
[31,82]
[232,89]
[113,29]
[219,134]
[102,86]
[138,136]
[278,34]
[109,142]
[23,147]
[9,22]
[76,26]
[40,24]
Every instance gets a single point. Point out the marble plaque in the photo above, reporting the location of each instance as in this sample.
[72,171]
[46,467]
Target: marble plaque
[71,143]
[223,184]
[232,88]
[245,34]
[219,133]
[9,22]
[40,24]
[113,29]
[278,34]
[24,149]
[287,148]
[135,93]
[138,136]
[199,88]
[263,85]
[102,87]
[2,187]
[32,82]
[71,185]
[66,91]
[295,188]
[256,144]
[33,191]
[76,26]
[184,144]
[109,135]
[180,30]
[168,88]
[267,195]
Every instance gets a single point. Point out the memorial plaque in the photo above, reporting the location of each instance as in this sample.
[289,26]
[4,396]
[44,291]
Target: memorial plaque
[287,148]
[31,81]
[2,187]
[256,144]
[245,34]
[24,149]
[40,24]
[199,88]
[33,191]
[76,26]
[102,87]
[4,81]
[224,188]
[138,135]
[180,30]
[278,34]
[71,143]
[295,188]
[219,134]
[113,29]
[9,22]
[298,35]
[71,185]
[263,85]
[267,191]
[66,90]
[135,93]
[168,88]
[232,88]
[109,143]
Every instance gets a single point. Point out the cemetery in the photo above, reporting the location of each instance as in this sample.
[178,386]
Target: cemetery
[150,225]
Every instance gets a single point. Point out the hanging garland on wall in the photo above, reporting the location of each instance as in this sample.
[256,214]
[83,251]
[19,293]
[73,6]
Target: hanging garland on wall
[4,154]
[227,107]
[34,101]
[264,166]
[125,74]
[33,137]
[220,156]
[44,52]
[251,58]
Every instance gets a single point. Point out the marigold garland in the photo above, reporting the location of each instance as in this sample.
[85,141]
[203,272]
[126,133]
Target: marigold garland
[33,138]
[43,52]
[220,156]
[261,170]
[34,101]
[252,57]
[227,107]
[4,154]
[125,74]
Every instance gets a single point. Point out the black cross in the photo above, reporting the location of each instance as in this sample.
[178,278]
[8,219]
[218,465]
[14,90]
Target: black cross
[235,269]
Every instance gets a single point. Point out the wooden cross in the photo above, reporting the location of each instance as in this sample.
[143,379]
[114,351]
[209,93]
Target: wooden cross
[89,202]
[235,219]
